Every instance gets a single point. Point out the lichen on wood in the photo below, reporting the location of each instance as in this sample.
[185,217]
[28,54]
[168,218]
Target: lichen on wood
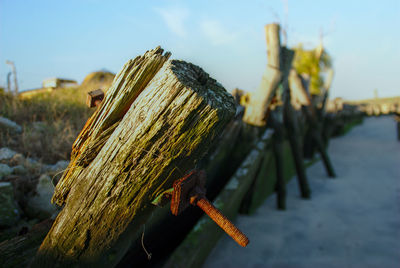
[167,129]
[127,85]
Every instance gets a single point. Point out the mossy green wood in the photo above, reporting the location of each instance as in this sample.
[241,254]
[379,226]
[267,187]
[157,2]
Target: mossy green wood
[169,126]
[219,155]
[127,85]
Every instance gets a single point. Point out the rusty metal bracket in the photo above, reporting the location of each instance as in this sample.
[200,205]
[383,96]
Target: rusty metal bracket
[190,190]
[185,188]
[94,98]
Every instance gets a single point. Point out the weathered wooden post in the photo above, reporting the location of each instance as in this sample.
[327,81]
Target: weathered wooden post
[315,127]
[259,103]
[157,119]
[326,126]
[277,147]
[293,133]
[297,91]
[256,113]
[277,72]
[277,122]
[326,87]
[284,122]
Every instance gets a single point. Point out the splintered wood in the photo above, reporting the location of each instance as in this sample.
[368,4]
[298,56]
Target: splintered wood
[127,85]
[156,121]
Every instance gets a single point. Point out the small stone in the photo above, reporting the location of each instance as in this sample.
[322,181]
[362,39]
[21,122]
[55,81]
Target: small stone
[10,125]
[33,166]
[6,154]
[59,166]
[40,205]
[24,187]
[39,126]
[31,161]
[46,168]
[19,170]
[9,213]
[5,170]
[17,159]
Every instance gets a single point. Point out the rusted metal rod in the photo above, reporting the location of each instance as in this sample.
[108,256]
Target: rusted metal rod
[190,190]
[221,220]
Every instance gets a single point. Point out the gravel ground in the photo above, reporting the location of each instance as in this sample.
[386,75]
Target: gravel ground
[351,221]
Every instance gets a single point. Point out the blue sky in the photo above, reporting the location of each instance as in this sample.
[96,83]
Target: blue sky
[226,38]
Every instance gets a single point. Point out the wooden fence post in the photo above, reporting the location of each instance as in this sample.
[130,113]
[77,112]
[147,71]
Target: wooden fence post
[257,108]
[314,125]
[167,128]
[277,123]
[294,136]
[126,87]
[256,113]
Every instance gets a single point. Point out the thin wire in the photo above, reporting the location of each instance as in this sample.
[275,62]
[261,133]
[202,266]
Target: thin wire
[144,248]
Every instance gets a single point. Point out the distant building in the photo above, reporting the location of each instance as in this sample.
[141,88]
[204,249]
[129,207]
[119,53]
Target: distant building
[49,85]
[59,83]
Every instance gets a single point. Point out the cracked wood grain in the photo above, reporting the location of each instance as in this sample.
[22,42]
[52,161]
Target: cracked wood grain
[166,130]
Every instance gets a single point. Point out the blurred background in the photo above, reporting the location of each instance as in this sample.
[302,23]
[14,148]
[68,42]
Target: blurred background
[74,38]
[53,52]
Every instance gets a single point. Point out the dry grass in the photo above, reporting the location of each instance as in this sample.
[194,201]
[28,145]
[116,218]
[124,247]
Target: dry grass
[50,122]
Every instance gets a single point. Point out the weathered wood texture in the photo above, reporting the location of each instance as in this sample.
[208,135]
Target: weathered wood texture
[127,85]
[168,127]
[257,108]
[161,243]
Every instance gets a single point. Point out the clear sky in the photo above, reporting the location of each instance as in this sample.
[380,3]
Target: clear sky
[72,38]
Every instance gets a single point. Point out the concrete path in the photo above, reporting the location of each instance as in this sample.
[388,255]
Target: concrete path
[351,221]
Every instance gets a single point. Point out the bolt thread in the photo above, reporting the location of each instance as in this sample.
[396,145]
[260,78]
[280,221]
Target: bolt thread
[223,222]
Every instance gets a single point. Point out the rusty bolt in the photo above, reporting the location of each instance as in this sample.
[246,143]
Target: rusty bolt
[190,190]
[94,98]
